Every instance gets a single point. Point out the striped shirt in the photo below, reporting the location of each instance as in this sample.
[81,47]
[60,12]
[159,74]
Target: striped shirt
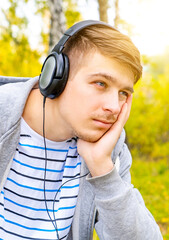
[23,208]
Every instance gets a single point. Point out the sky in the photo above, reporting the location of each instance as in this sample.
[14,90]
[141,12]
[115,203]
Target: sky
[149,20]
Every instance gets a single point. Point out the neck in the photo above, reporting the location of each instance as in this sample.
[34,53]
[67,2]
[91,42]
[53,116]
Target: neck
[33,115]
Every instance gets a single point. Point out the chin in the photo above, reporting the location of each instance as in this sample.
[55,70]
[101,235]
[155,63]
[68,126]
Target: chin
[89,137]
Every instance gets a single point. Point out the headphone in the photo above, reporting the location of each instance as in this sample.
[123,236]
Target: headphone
[55,69]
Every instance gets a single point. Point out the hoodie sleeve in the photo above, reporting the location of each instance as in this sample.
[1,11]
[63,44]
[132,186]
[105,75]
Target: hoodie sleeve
[121,212]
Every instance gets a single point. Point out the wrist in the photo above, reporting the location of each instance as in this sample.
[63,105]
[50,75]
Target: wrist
[101,168]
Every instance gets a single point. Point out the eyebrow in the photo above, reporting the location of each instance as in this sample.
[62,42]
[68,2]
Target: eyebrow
[111,79]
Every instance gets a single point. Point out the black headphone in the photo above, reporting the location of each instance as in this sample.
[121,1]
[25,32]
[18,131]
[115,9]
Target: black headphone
[55,69]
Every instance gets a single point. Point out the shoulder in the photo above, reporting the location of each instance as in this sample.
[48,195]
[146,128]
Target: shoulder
[13,95]
[13,91]
[5,79]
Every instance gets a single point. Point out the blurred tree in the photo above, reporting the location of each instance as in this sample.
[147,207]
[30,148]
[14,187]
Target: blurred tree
[15,52]
[57,22]
[103,7]
[120,23]
[117,16]
[63,14]
[43,10]
[14,42]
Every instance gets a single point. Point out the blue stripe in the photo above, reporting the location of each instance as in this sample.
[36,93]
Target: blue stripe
[34,229]
[38,209]
[40,189]
[38,147]
[37,168]
[66,187]
[73,147]
[79,163]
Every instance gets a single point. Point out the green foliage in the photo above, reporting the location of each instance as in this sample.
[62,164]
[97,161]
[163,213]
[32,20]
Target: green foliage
[156,65]
[18,59]
[16,56]
[14,23]
[71,13]
[151,179]
[42,7]
[147,128]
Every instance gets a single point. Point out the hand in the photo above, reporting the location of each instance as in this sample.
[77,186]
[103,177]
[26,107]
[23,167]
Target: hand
[97,155]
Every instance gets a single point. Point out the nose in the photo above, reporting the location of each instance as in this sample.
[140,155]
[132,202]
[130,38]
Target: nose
[112,104]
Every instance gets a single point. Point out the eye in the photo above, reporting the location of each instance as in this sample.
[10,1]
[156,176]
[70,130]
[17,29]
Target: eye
[100,84]
[123,95]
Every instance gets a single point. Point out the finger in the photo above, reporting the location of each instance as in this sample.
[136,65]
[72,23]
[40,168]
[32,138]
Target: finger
[117,127]
[123,115]
[129,103]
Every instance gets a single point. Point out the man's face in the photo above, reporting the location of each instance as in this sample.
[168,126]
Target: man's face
[94,96]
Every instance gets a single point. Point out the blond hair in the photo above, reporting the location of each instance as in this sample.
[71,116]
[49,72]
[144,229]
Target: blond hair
[109,42]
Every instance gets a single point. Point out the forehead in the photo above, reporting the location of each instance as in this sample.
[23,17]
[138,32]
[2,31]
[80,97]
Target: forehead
[97,65]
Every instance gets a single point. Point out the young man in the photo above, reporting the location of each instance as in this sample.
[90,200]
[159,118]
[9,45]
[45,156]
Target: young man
[64,164]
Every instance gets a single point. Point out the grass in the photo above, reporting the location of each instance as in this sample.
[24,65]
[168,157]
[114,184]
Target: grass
[151,178]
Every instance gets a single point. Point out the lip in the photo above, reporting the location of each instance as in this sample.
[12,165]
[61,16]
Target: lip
[103,123]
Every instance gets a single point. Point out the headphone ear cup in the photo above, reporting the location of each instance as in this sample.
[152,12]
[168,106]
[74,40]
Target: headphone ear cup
[63,81]
[58,84]
[54,75]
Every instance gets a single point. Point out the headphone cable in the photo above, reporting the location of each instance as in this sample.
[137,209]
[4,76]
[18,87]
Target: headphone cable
[61,187]
[44,139]
[54,200]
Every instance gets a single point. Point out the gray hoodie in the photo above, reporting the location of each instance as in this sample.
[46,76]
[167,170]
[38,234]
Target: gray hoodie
[108,203]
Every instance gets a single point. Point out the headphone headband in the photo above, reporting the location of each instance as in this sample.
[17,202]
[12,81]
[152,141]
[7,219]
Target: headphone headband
[75,29]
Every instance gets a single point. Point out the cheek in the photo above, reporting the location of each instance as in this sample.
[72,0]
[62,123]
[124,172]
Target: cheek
[79,100]
[72,105]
